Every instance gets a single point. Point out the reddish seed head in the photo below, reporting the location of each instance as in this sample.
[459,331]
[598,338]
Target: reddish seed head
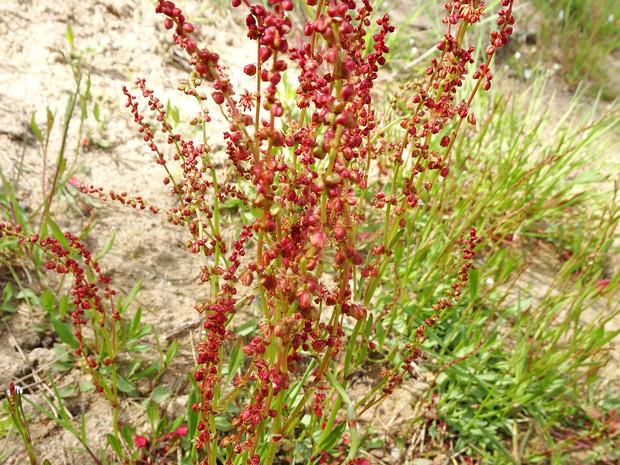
[190,45]
[250,69]
[264,53]
[305,299]
[318,240]
[218,97]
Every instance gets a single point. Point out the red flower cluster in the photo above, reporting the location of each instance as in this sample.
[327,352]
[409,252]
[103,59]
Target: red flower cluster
[87,295]
[307,172]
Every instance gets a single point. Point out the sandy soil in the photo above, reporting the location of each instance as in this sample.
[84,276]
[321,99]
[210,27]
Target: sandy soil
[118,40]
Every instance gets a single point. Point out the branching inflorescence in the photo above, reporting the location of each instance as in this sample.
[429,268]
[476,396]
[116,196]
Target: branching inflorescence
[315,253]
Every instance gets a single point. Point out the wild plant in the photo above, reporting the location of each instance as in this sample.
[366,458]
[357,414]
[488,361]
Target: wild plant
[326,194]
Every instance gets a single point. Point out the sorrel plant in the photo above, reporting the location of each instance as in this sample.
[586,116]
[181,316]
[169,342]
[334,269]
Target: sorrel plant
[331,197]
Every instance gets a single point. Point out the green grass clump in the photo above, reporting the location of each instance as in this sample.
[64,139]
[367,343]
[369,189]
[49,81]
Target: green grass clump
[581,35]
[513,369]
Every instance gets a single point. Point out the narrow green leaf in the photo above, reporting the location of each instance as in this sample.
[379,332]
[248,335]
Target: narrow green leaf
[130,297]
[135,323]
[62,308]
[7,293]
[178,421]
[246,328]
[332,438]
[106,248]
[96,111]
[115,444]
[58,233]
[152,411]
[162,424]
[139,348]
[86,94]
[473,283]
[172,351]
[127,432]
[35,129]
[146,372]
[70,35]
[235,360]
[192,416]
[83,427]
[49,123]
[396,238]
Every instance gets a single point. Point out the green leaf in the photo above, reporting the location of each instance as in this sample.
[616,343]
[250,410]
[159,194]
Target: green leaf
[160,394]
[106,248]
[96,111]
[35,129]
[8,308]
[396,238]
[65,333]
[48,301]
[162,424]
[235,359]
[144,331]
[178,421]
[134,366]
[67,391]
[172,351]
[70,35]
[103,143]
[83,428]
[127,432]
[49,123]
[246,328]
[192,417]
[64,361]
[474,281]
[380,333]
[62,308]
[152,411]
[139,348]
[332,438]
[58,233]
[86,386]
[7,293]
[130,297]
[135,322]
[115,444]
[222,423]
[27,294]
[146,372]
[124,385]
